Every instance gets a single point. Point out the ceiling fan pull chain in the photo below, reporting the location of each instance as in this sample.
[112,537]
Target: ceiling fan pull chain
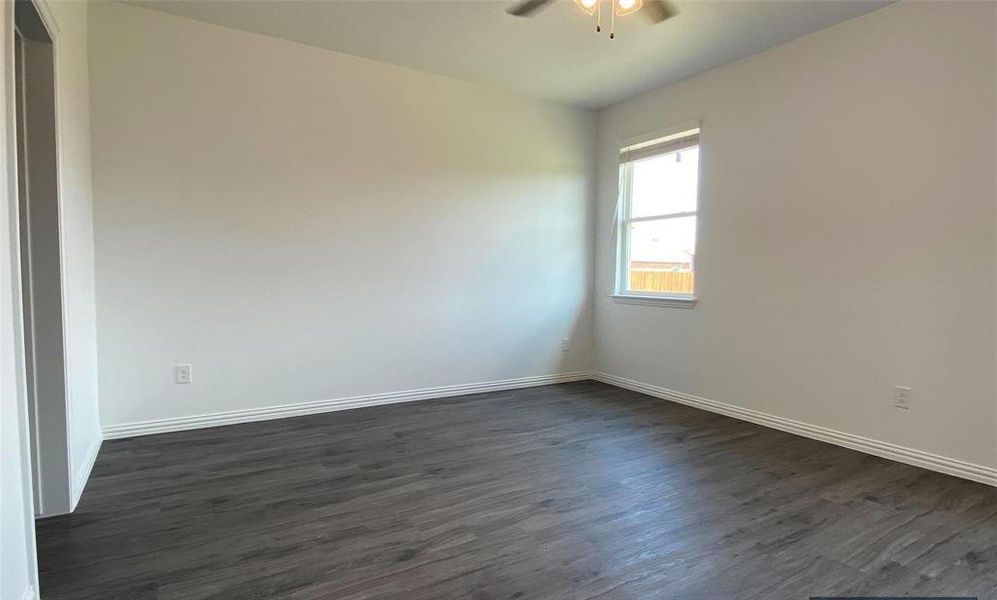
[598,17]
[612,23]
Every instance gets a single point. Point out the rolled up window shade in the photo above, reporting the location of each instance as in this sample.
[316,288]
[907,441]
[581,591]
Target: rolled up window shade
[665,145]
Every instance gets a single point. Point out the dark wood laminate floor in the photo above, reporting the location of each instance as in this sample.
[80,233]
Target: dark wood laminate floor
[571,491]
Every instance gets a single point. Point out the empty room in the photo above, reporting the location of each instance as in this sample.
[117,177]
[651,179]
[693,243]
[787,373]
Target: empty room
[499,299]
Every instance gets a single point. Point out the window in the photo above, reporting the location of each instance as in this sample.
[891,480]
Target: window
[657,214]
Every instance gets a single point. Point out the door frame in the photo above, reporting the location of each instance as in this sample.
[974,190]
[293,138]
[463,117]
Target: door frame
[51,479]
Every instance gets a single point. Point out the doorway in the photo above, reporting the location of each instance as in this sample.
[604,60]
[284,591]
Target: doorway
[40,257]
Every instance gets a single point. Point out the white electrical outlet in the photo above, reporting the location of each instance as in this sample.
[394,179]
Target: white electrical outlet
[565,344]
[181,374]
[901,397]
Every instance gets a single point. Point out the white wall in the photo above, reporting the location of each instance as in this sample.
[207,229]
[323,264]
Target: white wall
[847,232]
[416,231]
[301,225]
[18,572]
[76,205]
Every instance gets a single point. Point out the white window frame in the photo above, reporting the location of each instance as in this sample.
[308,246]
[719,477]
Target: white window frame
[686,137]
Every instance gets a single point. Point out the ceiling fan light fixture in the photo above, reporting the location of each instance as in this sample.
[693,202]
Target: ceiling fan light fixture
[588,6]
[655,11]
[626,7]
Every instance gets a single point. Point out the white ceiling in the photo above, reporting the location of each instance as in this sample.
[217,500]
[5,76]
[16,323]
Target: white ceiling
[555,55]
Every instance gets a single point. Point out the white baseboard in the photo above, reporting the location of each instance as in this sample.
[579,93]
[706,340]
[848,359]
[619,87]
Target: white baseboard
[320,406]
[933,462]
[81,477]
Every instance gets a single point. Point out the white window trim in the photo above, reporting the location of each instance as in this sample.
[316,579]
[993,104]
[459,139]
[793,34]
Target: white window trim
[621,294]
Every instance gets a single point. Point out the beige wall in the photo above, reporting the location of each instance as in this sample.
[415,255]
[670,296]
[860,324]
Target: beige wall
[847,237]
[303,225]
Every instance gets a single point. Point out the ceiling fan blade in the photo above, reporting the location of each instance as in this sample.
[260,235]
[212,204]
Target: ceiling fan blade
[526,8]
[657,11]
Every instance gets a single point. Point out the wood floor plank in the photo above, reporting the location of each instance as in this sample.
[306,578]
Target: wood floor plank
[573,491]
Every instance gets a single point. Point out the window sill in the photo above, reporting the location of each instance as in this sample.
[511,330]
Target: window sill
[675,302]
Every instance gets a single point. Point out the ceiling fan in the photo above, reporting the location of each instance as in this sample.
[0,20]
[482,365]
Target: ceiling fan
[655,11]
